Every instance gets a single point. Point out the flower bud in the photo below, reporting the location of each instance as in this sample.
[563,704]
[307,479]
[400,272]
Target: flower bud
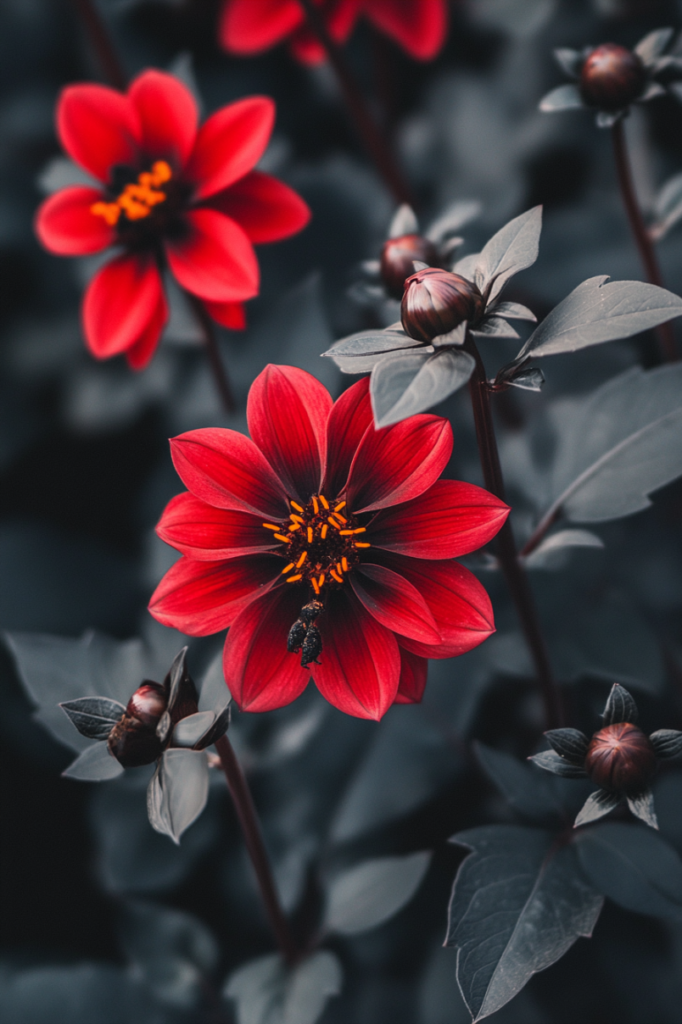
[620,758]
[397,258]
[612,77]
[436,301]
[133,740]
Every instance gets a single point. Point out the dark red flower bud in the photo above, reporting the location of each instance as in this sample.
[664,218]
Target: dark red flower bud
[436,301]
[133,740]
[621,758]
[148,703]
[612,77]
[397,258]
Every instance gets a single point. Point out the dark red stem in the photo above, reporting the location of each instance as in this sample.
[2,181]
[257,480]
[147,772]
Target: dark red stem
[101,43]
[367,128]
[665,332]
[248,819]
[213,352]
[512,569]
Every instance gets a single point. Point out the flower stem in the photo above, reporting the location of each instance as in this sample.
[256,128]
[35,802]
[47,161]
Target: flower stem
[665,332]
[213,352]
[367,128]
[101,42]
[248,819]
[513,570]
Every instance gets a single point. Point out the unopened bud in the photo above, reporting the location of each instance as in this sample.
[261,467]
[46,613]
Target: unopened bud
[612,77]
[148,703]
[436,301]
[621,758]
[397,258]
[133,740]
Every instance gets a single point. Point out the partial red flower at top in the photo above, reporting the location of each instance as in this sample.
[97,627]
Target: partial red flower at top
[252,26]
[172,196]
[327,547]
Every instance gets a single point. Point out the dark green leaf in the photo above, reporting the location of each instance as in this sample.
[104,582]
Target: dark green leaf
[527,791]
[372,892]
[94,717]
[620,706]
[266,991]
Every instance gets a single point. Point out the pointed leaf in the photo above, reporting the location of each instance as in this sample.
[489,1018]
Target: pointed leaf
[620,706]
[552,762]
[605,119]
[634,867]
[178,791]
[452,219]
[547,555]
[570,61]
[94,764]
[266,991]
[176,675]
[667,742]
[404,222]
[370,893]
[653,44]
[596,806]
[94,717]
[519,902]
[642,806]
[569,743]
[513,311]
[457,336]
[360,353]
[597,311]
[564,97]
[190,730]
[406,384]
[513,248]
[495,327]
[528,379]
[466,267]
[527,791]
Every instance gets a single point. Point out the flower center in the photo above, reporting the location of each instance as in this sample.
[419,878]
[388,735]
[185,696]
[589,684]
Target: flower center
[323,543]
[138,198]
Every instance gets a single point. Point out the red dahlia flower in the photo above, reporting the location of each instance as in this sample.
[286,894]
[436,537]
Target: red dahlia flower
[252,26]
[327,547]
[173,196]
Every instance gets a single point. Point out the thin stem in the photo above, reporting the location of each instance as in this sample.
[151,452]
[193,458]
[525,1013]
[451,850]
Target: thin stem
[665,332]
[101,43]
[512,568]
[248,819]
[213,352]
[369,131]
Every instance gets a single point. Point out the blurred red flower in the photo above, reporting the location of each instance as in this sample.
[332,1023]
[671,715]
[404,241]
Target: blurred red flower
[325,524]
[251,26]
[173,196]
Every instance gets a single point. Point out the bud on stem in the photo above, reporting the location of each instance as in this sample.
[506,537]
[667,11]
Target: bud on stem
[436,301]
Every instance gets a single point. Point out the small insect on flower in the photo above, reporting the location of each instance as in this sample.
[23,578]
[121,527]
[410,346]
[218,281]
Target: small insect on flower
[325,538]
[619,758]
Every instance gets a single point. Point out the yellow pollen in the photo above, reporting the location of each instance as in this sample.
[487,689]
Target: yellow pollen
[296,519]
[344,563]
[301,559]
[271,526]
[316,507]
[335,576]
[333,522]
[293,579]
[346,533]
[280,536]
[315,586]
[359,544]
[137,200]
[287,568]
[360,529]
[296,506]
[321,580]
[341,518]
[310,534]
[324,501]
[341,505]
[296,526]
[323,531]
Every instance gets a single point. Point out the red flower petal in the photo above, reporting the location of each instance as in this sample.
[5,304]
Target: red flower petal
[413,671]
[259,671]
[247,27]
[419,26]
[230,143]
[451,519]
[214,260]
[394,603]
[264,207]
[98,128]
[306,47]
[340,18]
[400,462]
[168,117]
[65,224]
[458,602]
[140,352]
[228,314]
[122,302]
[359,665]
[287,412]
[226,469]
[200,598]
[205,532]
[350,417]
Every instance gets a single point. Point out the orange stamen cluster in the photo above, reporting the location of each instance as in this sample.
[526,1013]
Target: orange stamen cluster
[137,200]
[322,542]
